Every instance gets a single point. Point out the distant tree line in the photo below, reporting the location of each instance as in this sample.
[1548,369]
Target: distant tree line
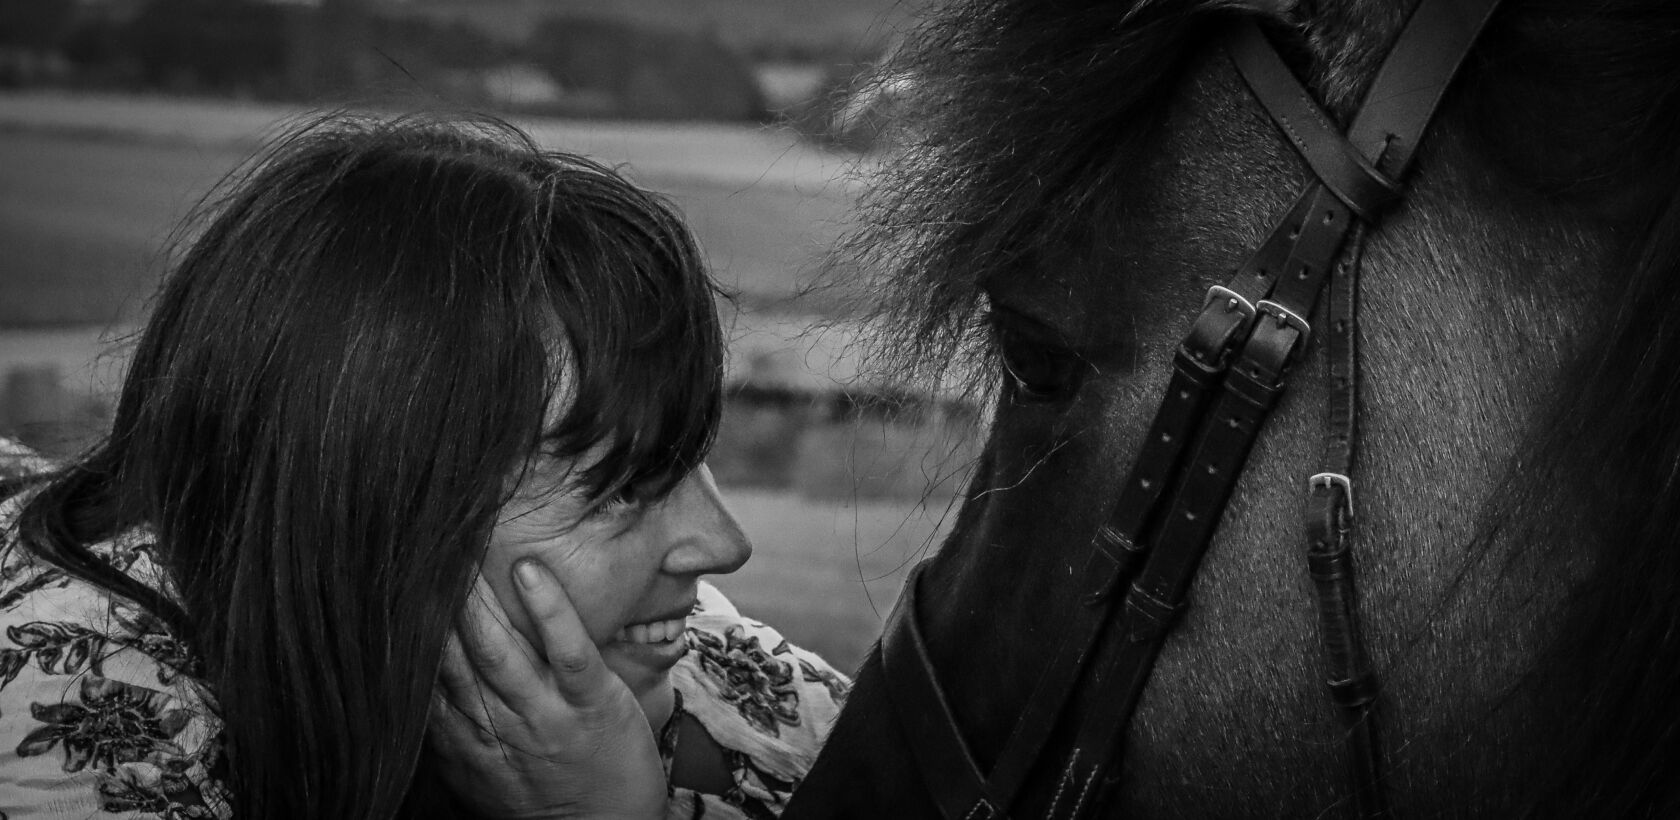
[343,49]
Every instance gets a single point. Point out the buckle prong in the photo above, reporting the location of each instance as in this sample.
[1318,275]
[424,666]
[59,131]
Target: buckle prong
[1335,479]
[1286,317]
[1233,301]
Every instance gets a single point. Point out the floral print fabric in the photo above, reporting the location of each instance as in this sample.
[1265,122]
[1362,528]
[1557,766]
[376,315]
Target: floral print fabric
[100,715]
[768,703]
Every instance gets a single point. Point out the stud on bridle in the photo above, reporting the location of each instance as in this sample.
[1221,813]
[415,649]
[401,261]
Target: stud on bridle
[1226,376]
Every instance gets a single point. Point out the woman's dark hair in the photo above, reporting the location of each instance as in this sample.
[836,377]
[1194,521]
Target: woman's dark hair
[336,390]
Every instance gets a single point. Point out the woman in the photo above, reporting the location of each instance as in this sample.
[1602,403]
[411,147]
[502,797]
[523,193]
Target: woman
[403,364]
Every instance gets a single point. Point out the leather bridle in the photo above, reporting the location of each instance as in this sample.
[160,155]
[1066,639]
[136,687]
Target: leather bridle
[1226,376]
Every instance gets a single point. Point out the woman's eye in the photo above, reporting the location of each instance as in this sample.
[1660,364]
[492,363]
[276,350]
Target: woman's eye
[624,501]
[1038,372]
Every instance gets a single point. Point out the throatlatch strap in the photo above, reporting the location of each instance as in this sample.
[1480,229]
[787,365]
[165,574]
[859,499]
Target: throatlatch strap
[1329,514]
[1397,95]
[1329,561]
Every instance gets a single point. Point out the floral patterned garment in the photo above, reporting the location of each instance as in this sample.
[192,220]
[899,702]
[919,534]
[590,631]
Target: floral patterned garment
[768,703]
[100,715]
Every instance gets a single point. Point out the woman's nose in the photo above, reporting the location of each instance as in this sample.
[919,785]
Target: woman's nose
[705,537]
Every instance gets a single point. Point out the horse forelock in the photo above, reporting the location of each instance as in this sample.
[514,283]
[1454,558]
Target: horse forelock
[1017,115]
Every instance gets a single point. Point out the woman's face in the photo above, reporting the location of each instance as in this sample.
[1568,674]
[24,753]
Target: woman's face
[631,568]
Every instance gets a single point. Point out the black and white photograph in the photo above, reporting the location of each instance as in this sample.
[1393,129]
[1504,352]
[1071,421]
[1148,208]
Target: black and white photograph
[831,409]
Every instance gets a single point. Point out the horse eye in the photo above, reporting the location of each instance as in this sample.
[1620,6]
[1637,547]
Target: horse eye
[1038,372]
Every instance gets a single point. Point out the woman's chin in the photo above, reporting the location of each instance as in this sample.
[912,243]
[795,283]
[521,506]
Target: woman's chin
[658,703]
[651,687]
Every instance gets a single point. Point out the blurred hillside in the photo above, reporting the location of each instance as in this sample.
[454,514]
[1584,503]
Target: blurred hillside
[753,60]
[762,30]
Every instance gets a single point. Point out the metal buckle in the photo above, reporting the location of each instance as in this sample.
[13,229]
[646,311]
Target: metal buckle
[1212,336]
[1286,317]
[1335,479]
[1234,301]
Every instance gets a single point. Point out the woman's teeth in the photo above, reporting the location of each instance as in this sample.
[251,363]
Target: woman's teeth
[656,632]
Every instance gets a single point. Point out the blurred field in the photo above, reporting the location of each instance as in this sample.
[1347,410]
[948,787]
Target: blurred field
[91,187]
[826,574]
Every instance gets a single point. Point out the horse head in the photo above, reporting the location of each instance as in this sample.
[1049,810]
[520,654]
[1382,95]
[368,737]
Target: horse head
[1078,176]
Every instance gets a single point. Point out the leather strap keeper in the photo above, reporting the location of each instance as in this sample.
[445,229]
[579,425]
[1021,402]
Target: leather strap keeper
[1353,693]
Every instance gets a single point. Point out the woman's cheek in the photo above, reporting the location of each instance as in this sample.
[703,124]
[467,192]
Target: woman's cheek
[588,576]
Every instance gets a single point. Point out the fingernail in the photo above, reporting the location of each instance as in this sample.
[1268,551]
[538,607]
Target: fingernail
[530,577]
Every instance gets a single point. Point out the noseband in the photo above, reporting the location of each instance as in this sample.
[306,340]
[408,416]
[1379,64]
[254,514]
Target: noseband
[1227,375]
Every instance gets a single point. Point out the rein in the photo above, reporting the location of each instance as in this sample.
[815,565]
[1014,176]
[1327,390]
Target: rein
[1226,377]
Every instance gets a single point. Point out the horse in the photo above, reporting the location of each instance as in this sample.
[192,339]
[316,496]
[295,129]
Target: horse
[1073,177]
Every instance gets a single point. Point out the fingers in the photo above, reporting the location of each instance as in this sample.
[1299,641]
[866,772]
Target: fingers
[454,729]
[455,678]
[496,655]
[516,732]
[579,672]
[461,709]
[485,657]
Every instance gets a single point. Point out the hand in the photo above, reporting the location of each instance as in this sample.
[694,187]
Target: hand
[522,737]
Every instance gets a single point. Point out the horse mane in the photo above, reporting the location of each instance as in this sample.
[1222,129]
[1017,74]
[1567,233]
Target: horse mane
[1021,106]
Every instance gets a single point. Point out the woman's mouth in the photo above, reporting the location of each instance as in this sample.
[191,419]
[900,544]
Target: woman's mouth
[654,646]
[653,632]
